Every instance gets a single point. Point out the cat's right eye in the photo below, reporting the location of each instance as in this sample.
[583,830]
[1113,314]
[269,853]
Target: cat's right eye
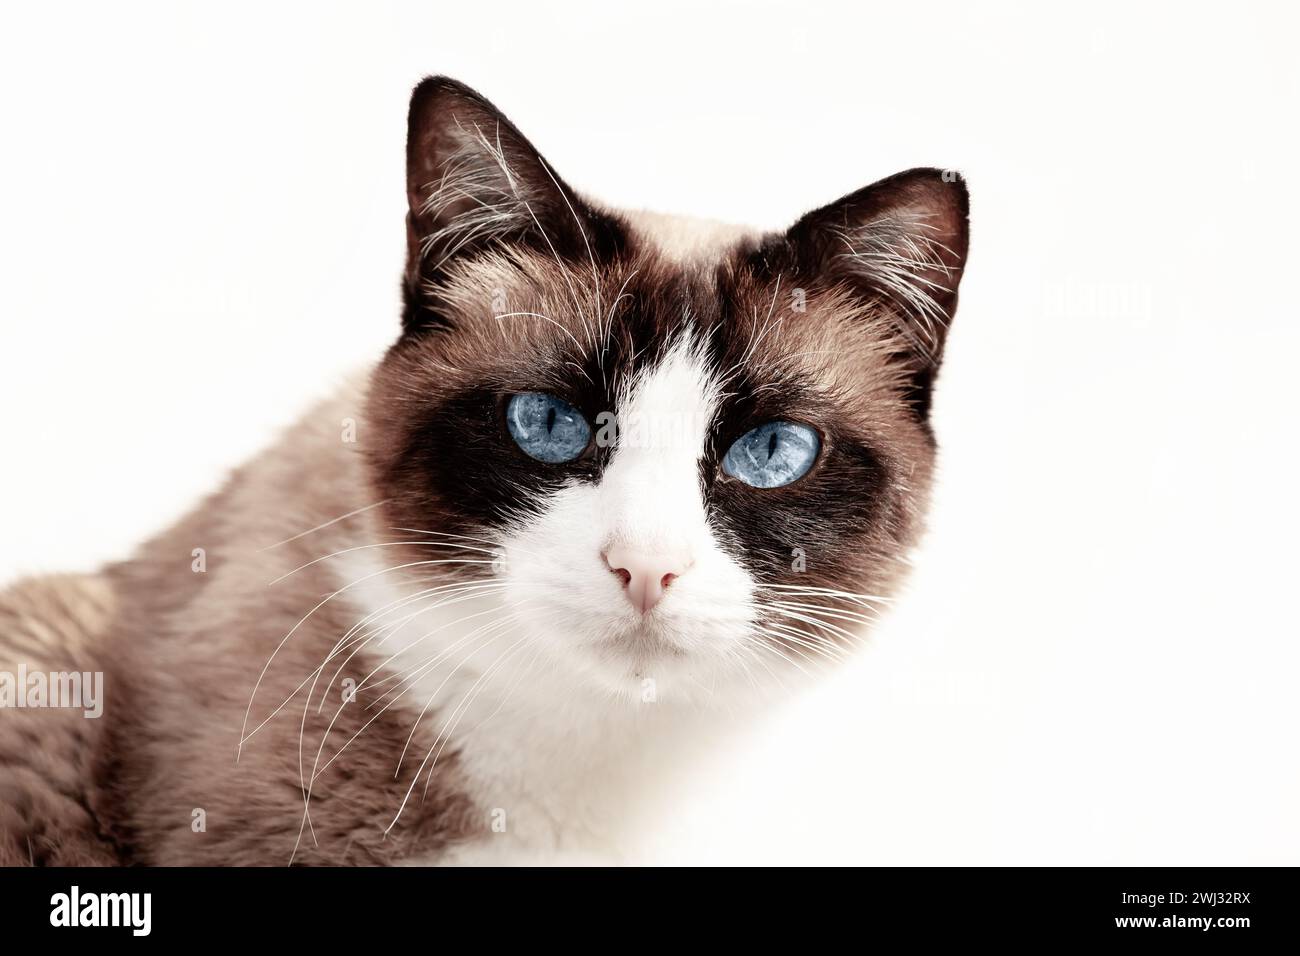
[547,428]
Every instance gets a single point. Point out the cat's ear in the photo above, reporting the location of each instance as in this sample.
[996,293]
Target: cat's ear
[901,242]
[473,182]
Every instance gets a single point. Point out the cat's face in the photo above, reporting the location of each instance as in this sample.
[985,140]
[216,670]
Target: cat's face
[688,465]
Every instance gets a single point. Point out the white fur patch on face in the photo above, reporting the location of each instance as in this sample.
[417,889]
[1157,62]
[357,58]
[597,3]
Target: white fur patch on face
[649,503]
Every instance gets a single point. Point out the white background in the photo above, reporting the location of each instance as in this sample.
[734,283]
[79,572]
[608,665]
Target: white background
[201,232]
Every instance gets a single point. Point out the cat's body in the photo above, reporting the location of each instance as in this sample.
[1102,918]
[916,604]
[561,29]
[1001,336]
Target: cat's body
[397,621]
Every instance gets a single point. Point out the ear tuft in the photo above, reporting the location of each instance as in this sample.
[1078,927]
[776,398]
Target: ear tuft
[903,239]
[901,242]
[474,183]
[461,190]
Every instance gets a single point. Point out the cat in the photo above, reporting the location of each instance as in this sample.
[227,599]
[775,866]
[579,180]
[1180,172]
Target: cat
[621,478]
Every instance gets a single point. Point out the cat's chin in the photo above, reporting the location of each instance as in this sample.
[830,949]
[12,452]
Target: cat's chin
[643,663]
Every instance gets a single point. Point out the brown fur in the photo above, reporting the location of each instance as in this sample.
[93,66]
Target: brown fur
[47,815]
[181,656]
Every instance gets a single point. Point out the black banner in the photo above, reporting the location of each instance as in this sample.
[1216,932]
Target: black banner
[1231,907]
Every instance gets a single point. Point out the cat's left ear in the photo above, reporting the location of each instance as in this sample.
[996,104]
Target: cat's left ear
[901,242]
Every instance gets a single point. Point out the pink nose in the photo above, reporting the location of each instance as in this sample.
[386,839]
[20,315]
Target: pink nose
[645,575]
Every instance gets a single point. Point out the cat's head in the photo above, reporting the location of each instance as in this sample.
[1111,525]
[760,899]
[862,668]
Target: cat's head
[691,455]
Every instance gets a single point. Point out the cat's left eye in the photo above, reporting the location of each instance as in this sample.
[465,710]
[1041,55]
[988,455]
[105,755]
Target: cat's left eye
[547,428]
[772,455]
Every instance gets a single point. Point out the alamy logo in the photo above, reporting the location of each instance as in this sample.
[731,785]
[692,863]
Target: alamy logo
[53,689]
[102,909]
[656,431]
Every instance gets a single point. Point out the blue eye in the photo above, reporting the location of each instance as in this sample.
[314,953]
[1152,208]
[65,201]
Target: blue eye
[773,454]
[547,428]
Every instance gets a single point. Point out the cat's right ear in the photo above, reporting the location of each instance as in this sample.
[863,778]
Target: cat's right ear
[475,183]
